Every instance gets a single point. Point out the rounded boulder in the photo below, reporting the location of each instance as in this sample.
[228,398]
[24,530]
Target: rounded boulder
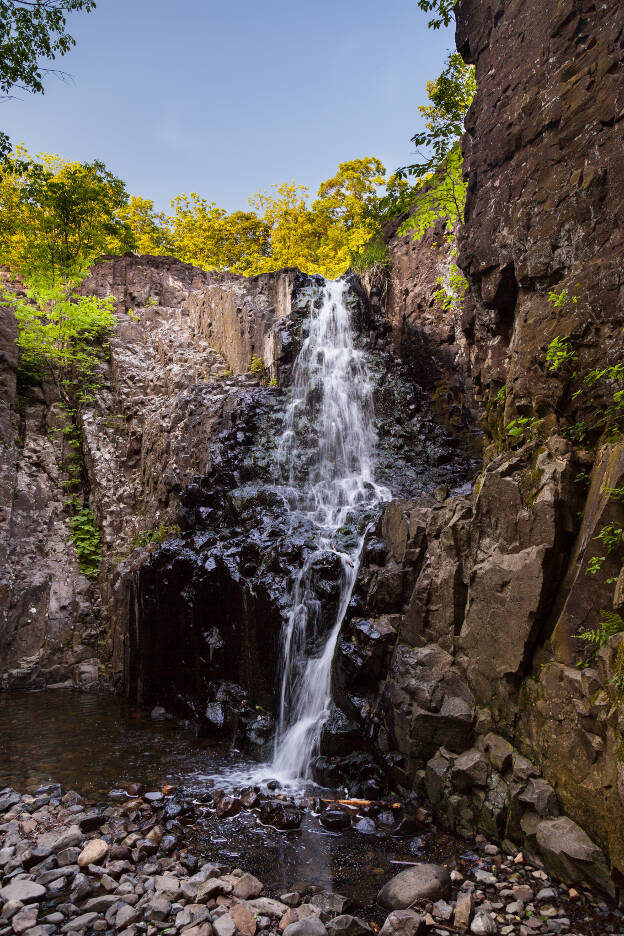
[422,881]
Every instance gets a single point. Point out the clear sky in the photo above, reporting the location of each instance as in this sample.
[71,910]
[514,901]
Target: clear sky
[227,97]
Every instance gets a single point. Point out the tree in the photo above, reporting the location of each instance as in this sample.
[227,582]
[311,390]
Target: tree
[150,228]
[204,234]
[451,95]
[349,204]
[443,11]
[30,31]
[60,336]
[68,215]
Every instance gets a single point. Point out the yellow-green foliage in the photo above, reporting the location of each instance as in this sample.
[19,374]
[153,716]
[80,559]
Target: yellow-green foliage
[61,336]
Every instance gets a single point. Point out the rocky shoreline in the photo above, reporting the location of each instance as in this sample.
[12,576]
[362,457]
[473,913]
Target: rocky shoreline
[133,866]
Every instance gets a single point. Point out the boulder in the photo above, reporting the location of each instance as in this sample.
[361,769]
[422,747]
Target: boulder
[422,881]
[570,853]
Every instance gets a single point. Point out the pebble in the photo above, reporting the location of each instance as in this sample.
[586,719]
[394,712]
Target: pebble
[137,878]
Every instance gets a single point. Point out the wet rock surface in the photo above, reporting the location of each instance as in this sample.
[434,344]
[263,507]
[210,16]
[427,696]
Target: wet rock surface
[155,874]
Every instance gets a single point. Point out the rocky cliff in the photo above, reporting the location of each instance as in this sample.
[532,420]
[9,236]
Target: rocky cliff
[483,694]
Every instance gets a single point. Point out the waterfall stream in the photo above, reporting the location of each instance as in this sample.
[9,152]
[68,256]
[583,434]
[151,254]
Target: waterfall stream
[326,463]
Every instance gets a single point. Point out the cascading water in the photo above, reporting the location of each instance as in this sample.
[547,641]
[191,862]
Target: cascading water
[325,457]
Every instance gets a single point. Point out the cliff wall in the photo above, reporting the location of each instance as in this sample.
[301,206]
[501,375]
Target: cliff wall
[484,682]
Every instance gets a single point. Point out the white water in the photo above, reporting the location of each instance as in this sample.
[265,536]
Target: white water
[325,457]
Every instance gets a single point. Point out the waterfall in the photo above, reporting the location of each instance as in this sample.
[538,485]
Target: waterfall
[326,465]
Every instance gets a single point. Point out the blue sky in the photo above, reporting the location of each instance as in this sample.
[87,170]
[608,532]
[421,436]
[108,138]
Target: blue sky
[227,98]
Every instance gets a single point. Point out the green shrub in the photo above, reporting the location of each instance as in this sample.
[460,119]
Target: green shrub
[86,539]
[373,259]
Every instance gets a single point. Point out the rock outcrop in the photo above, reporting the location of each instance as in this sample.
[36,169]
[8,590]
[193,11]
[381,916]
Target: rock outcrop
[501,584]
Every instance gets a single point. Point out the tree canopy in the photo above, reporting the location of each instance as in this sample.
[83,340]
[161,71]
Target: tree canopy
[57,216]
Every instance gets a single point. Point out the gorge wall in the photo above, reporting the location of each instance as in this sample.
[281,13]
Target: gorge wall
[483,682]
[457,667]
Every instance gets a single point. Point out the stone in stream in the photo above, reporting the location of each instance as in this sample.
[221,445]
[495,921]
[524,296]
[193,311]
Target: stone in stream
[404,923]
[331,903]
[228,806]
[423,880]
[26,891]
[335,817]
[280,815]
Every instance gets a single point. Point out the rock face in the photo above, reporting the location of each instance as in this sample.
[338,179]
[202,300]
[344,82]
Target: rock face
[499,585]
[545,194]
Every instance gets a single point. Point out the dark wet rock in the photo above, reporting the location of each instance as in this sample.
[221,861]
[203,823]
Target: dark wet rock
[280,815]
[339,735]
[90,821]
[228,806]
[336,817]
[330,903]
[422,881]
[250,797]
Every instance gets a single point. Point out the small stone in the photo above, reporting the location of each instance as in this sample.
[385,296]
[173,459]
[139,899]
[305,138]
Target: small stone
[483,923]
[126,916]
[312,926]
[159,908]
[248,887]
[442,910]
[79,923]
[93,853]
[291,916]
[463,910]
[485,877]
[265,906]
[404,923]
[25,919]
[244,919]
[519,859]
[347,925]
[224,925]
[292,899]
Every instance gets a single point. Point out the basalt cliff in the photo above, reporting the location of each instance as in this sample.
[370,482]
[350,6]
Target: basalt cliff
[459,672]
